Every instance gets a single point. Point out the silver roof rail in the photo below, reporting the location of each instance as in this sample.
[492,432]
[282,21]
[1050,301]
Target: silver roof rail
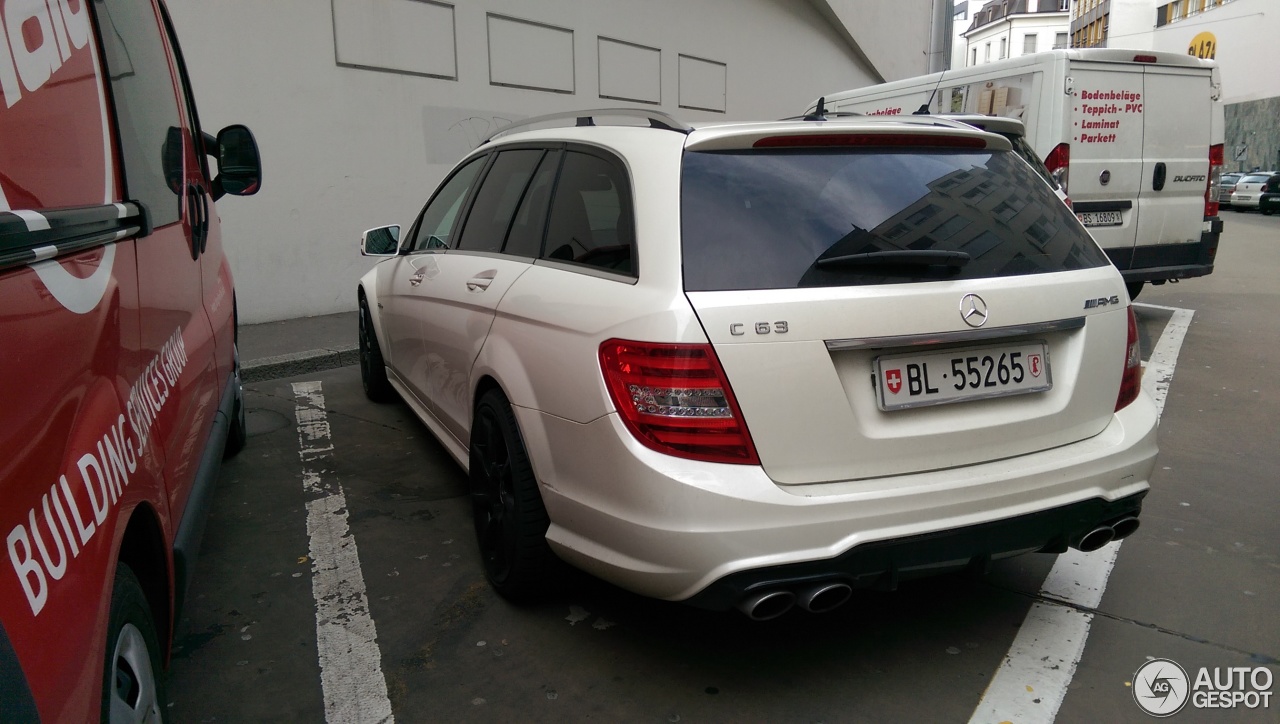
[656,119]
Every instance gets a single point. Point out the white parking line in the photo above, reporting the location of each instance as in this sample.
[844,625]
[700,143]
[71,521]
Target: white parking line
[1031,682]
[355,689]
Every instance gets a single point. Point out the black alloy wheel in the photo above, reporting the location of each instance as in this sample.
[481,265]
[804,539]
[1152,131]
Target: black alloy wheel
[510,520]
[373,371]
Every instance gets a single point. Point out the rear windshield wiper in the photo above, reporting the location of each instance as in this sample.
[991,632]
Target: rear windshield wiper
[910,257]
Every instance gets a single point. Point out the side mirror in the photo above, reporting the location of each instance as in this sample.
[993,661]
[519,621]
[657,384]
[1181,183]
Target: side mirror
[383,241]
[239,167]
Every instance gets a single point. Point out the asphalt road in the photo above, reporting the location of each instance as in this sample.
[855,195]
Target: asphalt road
[1197,584]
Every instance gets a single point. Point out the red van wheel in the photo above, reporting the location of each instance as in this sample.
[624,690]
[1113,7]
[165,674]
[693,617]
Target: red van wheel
[131,689]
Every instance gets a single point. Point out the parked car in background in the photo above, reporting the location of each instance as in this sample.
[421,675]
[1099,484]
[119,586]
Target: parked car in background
[1016,133]
[119,377]
[759,365]
[1269,198]
[1248,191]
[1226,186]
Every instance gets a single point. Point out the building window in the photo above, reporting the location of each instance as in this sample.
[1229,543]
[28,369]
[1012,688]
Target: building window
[1004,48]
[986,54]
[974,60]
[1029,44]
[1059,41]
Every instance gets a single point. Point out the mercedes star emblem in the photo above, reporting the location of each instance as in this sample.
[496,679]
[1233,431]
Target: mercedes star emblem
[973,310]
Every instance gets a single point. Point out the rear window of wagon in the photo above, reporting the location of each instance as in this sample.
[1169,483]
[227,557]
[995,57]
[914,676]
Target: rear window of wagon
[764,219]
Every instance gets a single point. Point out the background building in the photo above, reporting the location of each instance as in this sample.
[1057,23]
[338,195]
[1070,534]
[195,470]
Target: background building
[1009,28]
[361,106]
[1239,35]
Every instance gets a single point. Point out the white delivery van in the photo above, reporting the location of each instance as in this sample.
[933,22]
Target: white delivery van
[1134,137]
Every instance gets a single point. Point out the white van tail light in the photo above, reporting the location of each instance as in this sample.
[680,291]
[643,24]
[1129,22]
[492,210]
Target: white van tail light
[1212,191]
[675,398]
[1059,164]
[1131,382]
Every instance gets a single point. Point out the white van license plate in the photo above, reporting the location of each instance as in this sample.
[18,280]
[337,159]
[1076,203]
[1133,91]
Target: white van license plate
[961,375]
[1100,218]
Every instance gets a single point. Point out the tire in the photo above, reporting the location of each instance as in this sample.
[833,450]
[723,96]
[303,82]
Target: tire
[510,520]
[1267,212]
[132,689]
[238,434]
[373,371]
[1135,288]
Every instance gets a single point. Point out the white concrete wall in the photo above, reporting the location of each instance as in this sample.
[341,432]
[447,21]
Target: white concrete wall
[346,148]
[895,35]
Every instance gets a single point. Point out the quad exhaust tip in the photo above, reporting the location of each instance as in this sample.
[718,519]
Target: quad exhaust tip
[1125,527]
[767,605]
[1096,538]
[1118,529]
[825,597]
[818,598]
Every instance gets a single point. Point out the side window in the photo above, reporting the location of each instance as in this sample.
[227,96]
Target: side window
[193,118]
[146,110]
[525,237]
[496,201]
[438,219]
[591,220]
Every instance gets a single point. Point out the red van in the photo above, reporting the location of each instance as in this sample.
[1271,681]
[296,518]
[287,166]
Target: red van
[119,378]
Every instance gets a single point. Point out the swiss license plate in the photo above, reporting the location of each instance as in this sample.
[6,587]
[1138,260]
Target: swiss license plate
[961,375]
[1100,218]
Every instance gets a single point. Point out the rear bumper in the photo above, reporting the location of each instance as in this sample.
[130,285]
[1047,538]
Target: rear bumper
[1159,262]
[702,532]
[882,564]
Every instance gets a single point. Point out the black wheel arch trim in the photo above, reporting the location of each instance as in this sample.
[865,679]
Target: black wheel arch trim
[16,701]
[186,544]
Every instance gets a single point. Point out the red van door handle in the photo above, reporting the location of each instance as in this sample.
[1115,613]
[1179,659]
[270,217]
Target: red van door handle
[198,218]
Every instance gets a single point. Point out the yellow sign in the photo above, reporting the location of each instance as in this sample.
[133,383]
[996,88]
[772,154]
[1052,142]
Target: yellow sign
[1203,46]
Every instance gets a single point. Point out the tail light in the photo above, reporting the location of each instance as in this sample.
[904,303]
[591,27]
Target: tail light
[1131,382]
[1211,193]
[675,399]
[1059,164]
[816,140]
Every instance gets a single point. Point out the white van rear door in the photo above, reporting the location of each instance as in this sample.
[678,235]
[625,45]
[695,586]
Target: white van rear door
[1175,151]
[1107,153]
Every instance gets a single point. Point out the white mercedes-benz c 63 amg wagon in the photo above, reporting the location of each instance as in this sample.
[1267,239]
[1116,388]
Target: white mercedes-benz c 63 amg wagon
[761,365]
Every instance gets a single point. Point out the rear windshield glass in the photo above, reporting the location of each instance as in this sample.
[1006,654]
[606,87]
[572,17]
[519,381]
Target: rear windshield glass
[1255,178]
[782,219]
[1028,154]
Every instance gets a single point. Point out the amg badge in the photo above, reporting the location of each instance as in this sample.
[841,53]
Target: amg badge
[1101,301]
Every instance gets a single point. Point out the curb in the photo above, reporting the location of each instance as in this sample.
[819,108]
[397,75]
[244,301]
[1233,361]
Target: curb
[297,363]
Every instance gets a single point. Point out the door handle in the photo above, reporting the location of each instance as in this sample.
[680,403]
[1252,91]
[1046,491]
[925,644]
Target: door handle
[1157,179]
[481,281]
[198,218]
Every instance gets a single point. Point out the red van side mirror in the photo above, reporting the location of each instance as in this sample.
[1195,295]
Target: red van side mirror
[239,166]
